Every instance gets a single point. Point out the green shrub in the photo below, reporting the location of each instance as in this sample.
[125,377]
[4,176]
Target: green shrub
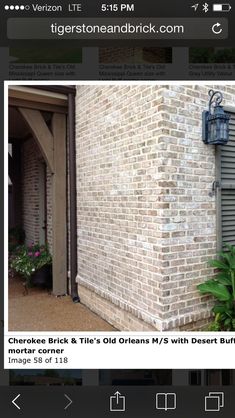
[222,287]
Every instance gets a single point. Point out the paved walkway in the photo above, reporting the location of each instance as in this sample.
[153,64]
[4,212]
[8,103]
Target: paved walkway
[40,311]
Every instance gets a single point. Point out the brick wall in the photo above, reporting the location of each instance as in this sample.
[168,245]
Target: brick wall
[146,217]
[189,219]
[31,160]
[30,190]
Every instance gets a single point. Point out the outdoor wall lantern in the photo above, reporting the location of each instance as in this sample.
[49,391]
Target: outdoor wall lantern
[215,122]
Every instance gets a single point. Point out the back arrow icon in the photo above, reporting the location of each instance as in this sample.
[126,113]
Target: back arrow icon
[70,401]
[15,399]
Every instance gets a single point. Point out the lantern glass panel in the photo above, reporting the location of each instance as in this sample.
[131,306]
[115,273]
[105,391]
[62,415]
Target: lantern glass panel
[219,129]
[223,130]
[213,130]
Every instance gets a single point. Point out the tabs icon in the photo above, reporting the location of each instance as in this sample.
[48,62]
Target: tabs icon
[214,402]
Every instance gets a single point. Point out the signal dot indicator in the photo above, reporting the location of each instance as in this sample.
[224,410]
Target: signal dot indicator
[7,7]
[17,7]
[21,7]
[12,7]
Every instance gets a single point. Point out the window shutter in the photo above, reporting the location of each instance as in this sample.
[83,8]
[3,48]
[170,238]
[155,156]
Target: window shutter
[226,172]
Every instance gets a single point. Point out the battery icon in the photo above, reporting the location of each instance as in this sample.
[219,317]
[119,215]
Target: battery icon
[222,7]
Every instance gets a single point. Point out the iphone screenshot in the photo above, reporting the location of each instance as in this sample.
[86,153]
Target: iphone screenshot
[117,214]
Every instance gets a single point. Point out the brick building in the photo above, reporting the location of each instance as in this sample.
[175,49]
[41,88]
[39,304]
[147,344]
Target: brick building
[135,55]
[148,218]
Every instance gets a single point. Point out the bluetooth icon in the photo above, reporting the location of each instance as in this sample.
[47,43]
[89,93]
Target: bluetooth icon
[205,7]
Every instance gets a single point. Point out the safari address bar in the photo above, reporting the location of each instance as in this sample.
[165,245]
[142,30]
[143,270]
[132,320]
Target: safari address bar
[117,28]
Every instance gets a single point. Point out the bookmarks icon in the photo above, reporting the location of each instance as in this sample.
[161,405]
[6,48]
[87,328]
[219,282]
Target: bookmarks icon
[166,401]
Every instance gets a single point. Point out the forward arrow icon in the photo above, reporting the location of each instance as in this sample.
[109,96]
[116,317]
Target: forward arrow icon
[69,403]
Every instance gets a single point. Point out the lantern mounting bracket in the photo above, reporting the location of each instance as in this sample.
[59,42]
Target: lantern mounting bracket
[216,99]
